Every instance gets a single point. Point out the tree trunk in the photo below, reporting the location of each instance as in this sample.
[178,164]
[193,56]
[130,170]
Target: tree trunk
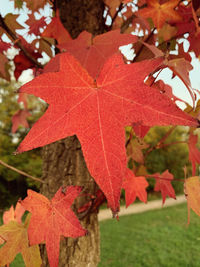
[63,161]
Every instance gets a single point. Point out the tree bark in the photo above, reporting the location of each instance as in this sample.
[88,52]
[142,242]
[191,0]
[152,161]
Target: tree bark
[63,161]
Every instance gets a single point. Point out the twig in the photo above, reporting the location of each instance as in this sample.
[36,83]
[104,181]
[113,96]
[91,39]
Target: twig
[163,178]
[21,172]
[116,13]
[162,140]
[173,143]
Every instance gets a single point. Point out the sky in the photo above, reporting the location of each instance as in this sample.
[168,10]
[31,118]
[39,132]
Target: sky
[179,89]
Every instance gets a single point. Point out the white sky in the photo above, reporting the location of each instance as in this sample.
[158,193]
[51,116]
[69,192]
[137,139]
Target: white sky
[179,89]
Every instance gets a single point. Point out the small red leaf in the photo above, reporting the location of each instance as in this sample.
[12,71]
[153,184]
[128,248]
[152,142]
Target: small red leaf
[19,118]
[134,187]
[52,218]
[163,184]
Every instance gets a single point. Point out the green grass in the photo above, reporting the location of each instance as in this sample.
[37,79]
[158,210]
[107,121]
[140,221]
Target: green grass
[151,239]
[155,238]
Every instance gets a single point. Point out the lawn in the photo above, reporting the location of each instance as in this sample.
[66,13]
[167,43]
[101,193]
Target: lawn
[155,238]
[151,239]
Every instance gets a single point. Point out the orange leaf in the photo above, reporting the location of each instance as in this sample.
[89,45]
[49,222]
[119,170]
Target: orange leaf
[15,238]
[192,191]
[14,214]
[161,13]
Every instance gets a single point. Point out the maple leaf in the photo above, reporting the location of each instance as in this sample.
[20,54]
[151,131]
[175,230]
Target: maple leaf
[134,187]
[166,32]
[15,238]
[194,40]
[14,214]
[23,63]
[36,4]
[35,25]
[52,218]
[56,30]
[11,21]
[140,130]
[134,150]
[194,153]
[20,118]
[181,68]
[192,192]
[4,46]
[92,53]
[187,25]
[97,112]
[163,184]
[160,13]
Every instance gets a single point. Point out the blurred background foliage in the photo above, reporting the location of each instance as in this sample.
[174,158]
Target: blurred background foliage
[173,157]
[12,184]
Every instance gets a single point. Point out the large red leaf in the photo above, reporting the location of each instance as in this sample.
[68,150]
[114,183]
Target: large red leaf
[52,218]
[92,53]
[97,111]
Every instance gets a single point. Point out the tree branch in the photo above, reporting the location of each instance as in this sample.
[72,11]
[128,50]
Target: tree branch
[18,42]
[21,172]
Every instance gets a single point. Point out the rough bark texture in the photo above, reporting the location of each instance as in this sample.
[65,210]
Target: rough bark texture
[63,162]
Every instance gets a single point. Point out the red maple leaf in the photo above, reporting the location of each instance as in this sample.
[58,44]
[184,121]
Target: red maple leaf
[56,30]
[140,130]
[134,187]
[92,53]
[97,112]
[52,218]
[19,118]
[163,184]
[23,63]
[160,13]
[35,25]
[4,46]
[194,153]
